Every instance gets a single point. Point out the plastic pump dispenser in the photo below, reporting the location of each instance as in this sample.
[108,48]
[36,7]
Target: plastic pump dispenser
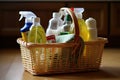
[82,25]
[54,24]
[28,22]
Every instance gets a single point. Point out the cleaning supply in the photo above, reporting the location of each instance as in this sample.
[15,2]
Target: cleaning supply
[54,24]
[84,33]
[64,38]
[63,14]
[36,33]
[67,25]
[28,22]
[91,24]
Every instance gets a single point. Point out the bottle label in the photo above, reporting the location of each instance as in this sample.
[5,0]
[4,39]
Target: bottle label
[51,39]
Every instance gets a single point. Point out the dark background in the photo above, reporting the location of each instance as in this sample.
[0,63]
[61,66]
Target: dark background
[107,14]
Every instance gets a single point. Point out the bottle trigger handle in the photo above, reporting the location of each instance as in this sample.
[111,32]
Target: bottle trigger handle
[21,17]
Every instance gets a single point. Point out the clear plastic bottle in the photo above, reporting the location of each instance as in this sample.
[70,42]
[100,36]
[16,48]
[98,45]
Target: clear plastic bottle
[66,28]
[54,25]
[36,33]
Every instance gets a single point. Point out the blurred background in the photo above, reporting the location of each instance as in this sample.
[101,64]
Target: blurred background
[106,13]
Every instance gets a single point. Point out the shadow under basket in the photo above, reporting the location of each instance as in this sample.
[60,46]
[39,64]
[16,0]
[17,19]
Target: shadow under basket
[41,59]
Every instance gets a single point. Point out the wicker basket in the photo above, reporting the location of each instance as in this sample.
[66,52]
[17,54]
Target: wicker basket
[53,58]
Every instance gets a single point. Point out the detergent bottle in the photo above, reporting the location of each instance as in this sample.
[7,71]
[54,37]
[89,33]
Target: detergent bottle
[91,24]
[28,22]
[54,24]
[66,28]
[36,33]
[84,33]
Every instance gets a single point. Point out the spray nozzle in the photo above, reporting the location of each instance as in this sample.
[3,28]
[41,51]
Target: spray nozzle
[78,12]
[28,15]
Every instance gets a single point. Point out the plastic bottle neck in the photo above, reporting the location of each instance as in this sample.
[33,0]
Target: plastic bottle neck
[79,15]
[56,15]
[36,21]
[68,22]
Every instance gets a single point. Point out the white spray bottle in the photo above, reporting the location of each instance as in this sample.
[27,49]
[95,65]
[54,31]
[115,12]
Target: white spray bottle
[28,22]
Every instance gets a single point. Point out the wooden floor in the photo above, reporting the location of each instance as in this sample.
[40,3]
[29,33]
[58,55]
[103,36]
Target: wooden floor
[11,68]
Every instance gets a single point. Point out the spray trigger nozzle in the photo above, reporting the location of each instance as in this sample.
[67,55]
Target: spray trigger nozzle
[29,15]
[20,18]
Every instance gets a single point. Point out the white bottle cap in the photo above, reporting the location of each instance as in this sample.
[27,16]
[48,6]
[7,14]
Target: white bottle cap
[91,23]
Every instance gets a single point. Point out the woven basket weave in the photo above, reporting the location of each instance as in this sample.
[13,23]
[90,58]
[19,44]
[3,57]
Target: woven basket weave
[53,58]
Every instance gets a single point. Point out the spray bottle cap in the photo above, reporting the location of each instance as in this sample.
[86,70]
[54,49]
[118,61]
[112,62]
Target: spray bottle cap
[28,19]
[28,15]
[78,12]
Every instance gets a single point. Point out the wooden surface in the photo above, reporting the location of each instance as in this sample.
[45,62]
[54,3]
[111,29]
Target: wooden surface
[11,68]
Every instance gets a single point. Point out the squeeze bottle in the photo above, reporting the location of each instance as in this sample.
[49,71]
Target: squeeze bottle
[84,33]
[28,22]
[91,24]
[67,26]
[36,33]
[55,24]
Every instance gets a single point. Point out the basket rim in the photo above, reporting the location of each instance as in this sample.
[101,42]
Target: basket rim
[98,40]
[29,44]
[71,44]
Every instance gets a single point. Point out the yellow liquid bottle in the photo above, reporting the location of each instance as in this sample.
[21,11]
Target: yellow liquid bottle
[37,33]
[84,33]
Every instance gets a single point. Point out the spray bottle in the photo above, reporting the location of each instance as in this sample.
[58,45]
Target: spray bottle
[28,22]
[84,33]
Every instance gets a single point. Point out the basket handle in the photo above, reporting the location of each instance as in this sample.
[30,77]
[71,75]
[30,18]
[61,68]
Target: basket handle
[77,50]
[74,22]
